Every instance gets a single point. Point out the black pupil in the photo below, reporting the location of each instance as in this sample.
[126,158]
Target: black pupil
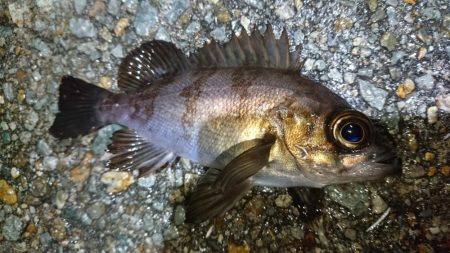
[352,132]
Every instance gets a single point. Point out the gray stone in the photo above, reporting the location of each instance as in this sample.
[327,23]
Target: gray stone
[45,5]
[90,49]
[50,162]
[82,28]
[79,6]
[335,75]
[42,47]
[31,120]
[179,215]
[12,228]
[255,3]
[8,91]
[397,56]
[320,65]
[373,95]
[395,73]
[162,34]
[391,2]
[145,19]
[413,171]
[178,7]
[350,234]
[443,102]
[378,15]
[425,82]
[103,138]
[352,196]
[366,72]
[392,16]
[219,33]
[431,13]
[117,51]
[193,27]
[43,148]
[349,77]
[388,40]
[60,199]
[96,210]
[113,7]
[285,11]
[147,181]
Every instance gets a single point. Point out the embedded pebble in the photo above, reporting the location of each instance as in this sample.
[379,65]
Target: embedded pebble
[284,200]
[443,102]
[162,34]
[179,215]
[378,204]
[113,7]
[8,91]
[193,27]
[121,25]
[178,7]
[12,228]
[96,210]
[219,33]
[388,40]
[81,172]
[373,95]
[50,162]
[350,234]
[60,199]
[425,82]
[18,11]
[82,28]
[285,11]
[7,193]
[405,88]
[432,114]
[145,19]
[79,6]
[335,75]
[117,181]
[43,148]
[117,51]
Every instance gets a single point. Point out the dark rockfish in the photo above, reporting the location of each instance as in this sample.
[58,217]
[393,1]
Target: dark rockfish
[241,109]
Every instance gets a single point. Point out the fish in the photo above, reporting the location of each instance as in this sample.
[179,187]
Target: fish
[240,109]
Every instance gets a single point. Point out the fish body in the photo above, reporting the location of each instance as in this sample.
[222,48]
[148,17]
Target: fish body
[240,109]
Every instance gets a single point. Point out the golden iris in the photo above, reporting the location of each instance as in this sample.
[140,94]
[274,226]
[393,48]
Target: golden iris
[350,130]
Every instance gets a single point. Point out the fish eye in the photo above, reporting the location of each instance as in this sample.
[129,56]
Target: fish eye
[350,130]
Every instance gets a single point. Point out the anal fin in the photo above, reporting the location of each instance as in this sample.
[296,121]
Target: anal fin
[218,190]
[132,152]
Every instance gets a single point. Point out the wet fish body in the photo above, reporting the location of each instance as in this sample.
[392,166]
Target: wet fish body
[241,109]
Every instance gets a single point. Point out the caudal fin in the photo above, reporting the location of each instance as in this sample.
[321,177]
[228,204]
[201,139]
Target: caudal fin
[79,108]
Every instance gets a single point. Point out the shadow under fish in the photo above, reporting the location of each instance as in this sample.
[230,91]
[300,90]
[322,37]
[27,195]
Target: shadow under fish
[242,109]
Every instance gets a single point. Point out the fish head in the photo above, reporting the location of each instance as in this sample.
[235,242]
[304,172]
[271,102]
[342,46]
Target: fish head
[339,148]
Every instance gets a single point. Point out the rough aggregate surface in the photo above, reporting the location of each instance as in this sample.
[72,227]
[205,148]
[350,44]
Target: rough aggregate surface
[389,59]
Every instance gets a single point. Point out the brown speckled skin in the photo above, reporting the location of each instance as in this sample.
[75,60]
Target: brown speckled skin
[208,116]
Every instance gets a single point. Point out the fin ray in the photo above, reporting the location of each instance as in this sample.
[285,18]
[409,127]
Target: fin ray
[218,190]
[132,152]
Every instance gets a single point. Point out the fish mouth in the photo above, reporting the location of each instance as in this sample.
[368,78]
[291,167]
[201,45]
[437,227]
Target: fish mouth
[378,166]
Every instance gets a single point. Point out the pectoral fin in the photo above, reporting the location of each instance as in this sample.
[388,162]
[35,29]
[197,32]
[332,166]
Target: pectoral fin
[218,190]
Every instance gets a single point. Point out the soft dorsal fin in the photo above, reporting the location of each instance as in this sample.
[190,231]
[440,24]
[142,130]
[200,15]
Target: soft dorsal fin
[149,62]
[256,50]
[158,59]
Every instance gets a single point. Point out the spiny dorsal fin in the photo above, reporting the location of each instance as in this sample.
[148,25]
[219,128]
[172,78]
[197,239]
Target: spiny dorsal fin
[256,50]
[149,62]
[158,59]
